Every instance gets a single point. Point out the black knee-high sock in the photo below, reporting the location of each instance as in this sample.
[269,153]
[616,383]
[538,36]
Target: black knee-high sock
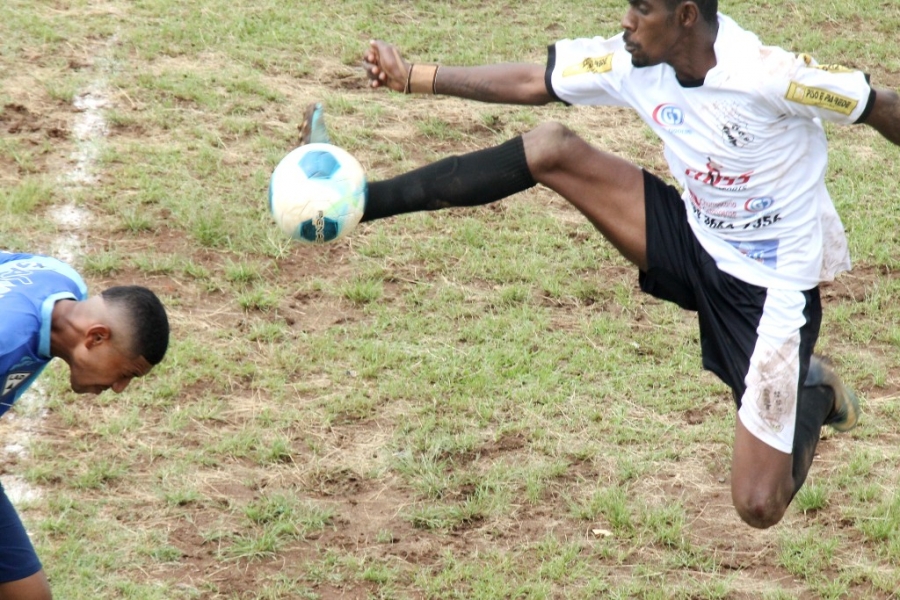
[814,404]
[467,180]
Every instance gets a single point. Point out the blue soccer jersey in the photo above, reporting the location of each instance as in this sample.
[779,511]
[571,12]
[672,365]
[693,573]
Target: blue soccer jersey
[30,285]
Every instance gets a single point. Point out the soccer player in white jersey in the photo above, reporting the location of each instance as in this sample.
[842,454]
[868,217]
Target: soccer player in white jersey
[107,340]
[746,240]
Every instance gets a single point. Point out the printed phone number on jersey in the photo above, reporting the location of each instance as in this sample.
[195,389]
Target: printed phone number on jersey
[714,223]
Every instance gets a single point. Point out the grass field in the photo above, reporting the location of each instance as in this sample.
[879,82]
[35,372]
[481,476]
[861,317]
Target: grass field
[476,404]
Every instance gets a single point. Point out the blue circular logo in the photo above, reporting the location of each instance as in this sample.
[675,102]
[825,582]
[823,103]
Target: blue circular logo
[757,204]
[668,115]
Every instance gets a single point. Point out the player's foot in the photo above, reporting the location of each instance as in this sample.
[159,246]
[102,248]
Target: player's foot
[845,412]
[312,129]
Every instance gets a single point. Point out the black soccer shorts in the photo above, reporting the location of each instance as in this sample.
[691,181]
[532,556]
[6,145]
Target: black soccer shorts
[757,340]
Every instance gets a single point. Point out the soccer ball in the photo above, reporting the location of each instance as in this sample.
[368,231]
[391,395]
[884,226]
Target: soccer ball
[317,193]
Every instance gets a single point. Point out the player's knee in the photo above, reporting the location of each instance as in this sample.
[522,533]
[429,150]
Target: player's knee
[759,510]
[547,146]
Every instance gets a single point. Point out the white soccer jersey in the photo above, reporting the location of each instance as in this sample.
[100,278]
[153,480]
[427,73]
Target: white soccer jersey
[746,145]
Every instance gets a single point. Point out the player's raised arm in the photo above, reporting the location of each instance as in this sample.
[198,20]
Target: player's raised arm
[885,115]
[508,83]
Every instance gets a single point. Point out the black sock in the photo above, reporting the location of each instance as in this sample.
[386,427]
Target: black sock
[467,180]
[814,404]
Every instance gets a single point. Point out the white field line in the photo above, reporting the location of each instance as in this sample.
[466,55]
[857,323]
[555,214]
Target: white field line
[88,129]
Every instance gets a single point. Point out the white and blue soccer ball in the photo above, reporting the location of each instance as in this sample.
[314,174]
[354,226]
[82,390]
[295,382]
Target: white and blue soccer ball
[317,193]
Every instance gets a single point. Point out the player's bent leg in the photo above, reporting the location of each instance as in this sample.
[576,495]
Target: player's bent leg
[761,479]
[765,479]
[608,190]
[35,587]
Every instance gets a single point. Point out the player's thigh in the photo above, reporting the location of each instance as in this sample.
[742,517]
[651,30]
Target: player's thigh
[607,189]
[34,587]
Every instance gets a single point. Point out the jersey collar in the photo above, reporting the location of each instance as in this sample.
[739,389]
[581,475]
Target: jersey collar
[47,321]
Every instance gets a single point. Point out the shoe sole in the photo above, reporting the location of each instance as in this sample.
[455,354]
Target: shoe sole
[846,404]
[305,127]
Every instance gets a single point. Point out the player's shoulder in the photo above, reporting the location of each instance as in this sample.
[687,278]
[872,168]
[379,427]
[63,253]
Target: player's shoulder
[769,62]
[587,55]
[9,257]
[38,276]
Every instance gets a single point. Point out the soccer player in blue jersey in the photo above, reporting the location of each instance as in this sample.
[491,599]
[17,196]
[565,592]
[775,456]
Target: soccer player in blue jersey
[744,240]
[107,340]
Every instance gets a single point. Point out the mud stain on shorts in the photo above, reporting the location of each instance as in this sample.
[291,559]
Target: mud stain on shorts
[774,378]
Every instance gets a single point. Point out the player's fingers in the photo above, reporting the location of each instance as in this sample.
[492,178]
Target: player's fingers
[371,70]
[388,67]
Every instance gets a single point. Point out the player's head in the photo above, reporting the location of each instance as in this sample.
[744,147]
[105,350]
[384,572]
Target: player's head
[121,334]
[656,31]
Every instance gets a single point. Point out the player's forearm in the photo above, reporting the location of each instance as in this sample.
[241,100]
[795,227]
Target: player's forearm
[517,83]
[885,115]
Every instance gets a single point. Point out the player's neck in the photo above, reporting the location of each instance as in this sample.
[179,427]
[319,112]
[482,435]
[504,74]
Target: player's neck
[61,329]
[697,58]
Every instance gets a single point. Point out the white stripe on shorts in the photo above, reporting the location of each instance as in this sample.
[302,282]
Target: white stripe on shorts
[769,406]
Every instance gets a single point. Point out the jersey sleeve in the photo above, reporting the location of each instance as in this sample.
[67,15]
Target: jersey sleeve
[587,71]
[832,93]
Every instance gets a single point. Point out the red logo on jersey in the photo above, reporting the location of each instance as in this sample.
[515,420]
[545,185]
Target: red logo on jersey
[713,176]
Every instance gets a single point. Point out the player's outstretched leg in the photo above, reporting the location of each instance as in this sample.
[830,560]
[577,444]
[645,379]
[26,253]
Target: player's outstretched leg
[607,189]
[312,130]
[471,179]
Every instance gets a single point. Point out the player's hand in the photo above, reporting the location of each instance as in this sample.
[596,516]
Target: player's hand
[385,67]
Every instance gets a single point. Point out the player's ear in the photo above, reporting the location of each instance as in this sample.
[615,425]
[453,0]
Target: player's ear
[95,335]
[687,13]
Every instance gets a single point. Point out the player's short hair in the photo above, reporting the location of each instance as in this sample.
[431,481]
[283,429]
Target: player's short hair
[709,9]
[148,321]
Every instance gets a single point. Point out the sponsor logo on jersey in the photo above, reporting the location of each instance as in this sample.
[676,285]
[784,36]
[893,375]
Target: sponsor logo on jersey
[724,215]
[762,251]
[591,64]
[17,273]
[834,68]
[821,98]
[736,134]
[727,209]
[668,115]
[713,176]
[732,122]
[810,62]
[755,205]
[14,380]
